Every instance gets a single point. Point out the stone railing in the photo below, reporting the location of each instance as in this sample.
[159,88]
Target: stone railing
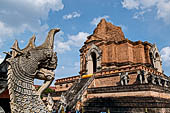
[68,79]
[74,94]
[145,77]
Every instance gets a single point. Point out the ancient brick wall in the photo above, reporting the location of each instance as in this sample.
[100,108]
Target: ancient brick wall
[116,50]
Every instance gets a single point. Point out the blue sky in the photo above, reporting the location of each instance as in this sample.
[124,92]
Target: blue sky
[146,20]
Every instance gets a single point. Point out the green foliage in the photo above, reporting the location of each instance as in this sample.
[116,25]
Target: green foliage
[48,90]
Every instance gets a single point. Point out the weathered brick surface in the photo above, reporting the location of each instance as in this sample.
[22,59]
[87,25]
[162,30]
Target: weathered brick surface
[119,55]
[127,105]
[115,50]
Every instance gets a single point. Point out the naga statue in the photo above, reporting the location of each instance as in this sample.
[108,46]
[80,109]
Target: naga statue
[28,64]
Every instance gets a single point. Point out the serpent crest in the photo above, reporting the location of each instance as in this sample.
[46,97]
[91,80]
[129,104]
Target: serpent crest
[28,64]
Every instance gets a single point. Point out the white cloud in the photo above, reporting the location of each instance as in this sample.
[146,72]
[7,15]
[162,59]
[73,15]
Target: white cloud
[164,11]
[142,6]
[71,15]
[22,41]
[20,15]
[130,4]
[138,15]
[5,31]
[72,41]
[95,21]
[139,4]
[61,47]
[165,55]
[62,67]
[79,39]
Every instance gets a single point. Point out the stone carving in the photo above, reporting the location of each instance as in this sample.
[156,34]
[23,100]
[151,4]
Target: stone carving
[24,66]
[3,75]
[1,110]
[165,82]
[153,79]
[124,79]
[50,102]
[155,58]
[3,85]
[74,94]
[158,80]
[63,101]
[143,76]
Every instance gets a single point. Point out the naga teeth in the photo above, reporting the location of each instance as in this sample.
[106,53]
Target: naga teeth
[43,70]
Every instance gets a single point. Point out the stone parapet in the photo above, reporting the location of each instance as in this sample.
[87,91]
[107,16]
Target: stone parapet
[65,83]
[67,80]
[140,90]
[127,104]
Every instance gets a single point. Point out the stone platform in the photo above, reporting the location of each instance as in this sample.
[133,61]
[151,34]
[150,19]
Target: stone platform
[128,99]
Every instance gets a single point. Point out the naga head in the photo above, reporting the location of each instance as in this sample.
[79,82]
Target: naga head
[37,62]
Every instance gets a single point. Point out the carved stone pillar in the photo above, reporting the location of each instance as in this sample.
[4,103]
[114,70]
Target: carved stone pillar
[153,77]
[124,78]
[143,76]
[159,81]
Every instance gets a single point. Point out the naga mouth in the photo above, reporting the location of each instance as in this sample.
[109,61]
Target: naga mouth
[47,67]
[45,74]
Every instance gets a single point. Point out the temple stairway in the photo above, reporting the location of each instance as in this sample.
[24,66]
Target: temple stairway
[74,94]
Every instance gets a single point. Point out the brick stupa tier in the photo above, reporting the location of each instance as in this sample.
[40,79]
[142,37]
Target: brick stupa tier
[116,51]
[127,76]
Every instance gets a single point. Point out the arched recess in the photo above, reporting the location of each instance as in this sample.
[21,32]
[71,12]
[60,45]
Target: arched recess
[93,60]
[155,58]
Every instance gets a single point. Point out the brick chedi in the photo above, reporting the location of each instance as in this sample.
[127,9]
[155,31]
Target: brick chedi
[116,51]
[127,76]
[108,32]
